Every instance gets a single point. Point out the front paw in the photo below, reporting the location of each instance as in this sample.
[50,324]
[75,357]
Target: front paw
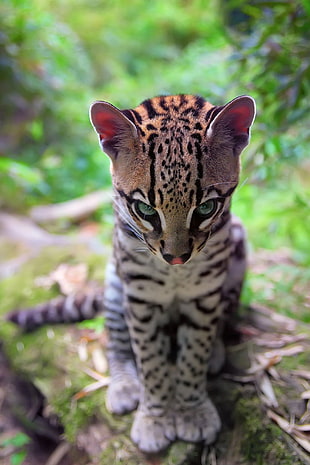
[123,395]
[152,433]
[200,423]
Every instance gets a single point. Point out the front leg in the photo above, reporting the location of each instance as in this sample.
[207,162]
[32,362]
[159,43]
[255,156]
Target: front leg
[124,390]
[196,416]
[153,428]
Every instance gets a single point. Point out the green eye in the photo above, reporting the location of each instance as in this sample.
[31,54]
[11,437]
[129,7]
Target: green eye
[206,209]
[144,210]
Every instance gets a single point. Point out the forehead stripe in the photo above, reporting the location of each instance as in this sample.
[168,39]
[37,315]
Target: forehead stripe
[151,112]
[163,104]
[161,196]
[151,192]
[199,164]
[199,191]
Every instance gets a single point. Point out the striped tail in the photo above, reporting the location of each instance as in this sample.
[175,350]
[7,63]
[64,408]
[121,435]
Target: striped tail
[68,309]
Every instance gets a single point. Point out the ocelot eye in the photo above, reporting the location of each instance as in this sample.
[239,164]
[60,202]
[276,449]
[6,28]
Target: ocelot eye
[206,209]
[145,210]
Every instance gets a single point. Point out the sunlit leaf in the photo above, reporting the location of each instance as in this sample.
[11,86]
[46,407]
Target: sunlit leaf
[18,457]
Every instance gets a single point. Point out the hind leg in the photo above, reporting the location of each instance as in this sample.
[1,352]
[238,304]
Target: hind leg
[236,268]
[231,289]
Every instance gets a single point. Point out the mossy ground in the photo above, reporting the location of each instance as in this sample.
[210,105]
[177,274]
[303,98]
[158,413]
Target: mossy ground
[50,358]
[262,442]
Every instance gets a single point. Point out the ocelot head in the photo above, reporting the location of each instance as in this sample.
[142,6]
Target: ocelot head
[175,165]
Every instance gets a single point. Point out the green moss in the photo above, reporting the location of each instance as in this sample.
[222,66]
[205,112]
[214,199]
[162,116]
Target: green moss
[48,357]
[182,453]
[10,249]
[76,415]
[296,362]
[30,354]
[121,450]
[20,291]
[263,442]
[281,286]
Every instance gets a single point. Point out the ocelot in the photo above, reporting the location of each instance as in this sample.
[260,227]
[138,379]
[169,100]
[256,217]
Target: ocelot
[178,258]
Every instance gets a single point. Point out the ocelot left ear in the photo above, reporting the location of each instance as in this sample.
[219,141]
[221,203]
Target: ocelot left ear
[116,132]
[231,126]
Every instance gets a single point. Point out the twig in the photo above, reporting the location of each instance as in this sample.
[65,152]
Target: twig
[58,454]
[290,429]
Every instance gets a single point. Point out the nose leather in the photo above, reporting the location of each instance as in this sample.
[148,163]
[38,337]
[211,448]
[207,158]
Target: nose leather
[176,260]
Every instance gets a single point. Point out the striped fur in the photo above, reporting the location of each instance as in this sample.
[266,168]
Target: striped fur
[72,308]
[178,258]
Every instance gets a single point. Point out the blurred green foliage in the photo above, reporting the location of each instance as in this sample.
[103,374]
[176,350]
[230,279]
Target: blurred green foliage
[56,57]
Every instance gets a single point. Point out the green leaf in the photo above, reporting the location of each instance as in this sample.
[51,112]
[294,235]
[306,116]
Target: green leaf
[306,6]
[19,170]
[18,458]
[96,324]
[19,440]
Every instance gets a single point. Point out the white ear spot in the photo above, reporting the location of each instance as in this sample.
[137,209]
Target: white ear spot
[209,132]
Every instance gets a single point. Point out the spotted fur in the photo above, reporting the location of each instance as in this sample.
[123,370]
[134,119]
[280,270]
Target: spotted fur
[178,258]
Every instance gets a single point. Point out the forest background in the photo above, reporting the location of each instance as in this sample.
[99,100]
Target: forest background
[56,58]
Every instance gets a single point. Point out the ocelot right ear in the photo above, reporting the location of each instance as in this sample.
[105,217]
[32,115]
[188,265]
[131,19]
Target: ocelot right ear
[116,132]
[231,125]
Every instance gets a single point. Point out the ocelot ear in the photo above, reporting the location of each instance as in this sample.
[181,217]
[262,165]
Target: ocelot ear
[231,125]
[116,132]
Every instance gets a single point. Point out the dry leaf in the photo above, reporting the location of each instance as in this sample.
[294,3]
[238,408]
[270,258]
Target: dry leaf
[305,395]
[265,387]
[105,381]
[239,378]
[82,351]
[275,341]
[287,352]
[262,363]
[93,374]
[283,323]
[99,360]
[70,278]
[302,373]
[290,429]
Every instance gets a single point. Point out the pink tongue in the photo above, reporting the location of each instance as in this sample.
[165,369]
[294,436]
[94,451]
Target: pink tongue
[177,261]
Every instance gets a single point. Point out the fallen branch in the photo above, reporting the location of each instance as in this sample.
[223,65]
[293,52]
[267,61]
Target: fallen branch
[74,210]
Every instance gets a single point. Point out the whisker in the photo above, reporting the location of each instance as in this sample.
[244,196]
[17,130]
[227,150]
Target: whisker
[219,184]
[242,184]
[124,215]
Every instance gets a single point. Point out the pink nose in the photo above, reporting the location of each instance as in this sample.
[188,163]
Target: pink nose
[177,261]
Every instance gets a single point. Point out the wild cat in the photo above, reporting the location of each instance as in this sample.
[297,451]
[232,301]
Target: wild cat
[178,259]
